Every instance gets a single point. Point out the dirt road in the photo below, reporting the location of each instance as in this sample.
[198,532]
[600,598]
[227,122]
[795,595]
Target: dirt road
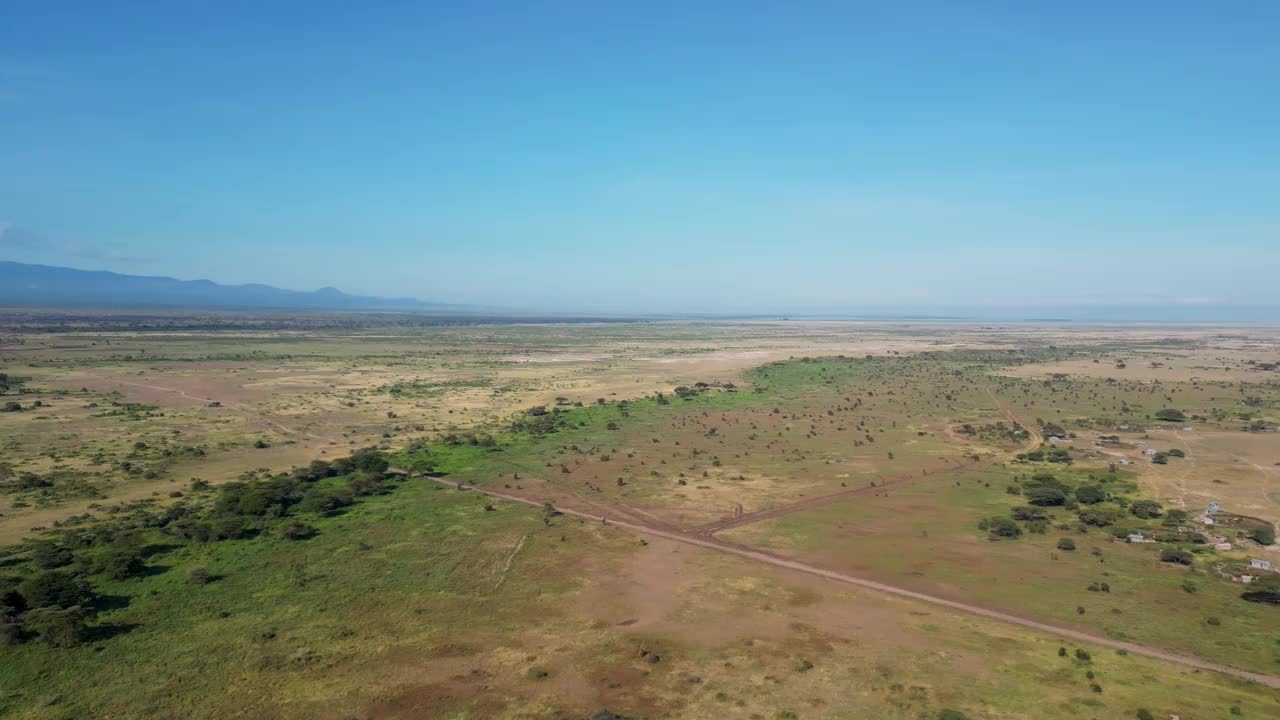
[764,557]
[1034,436]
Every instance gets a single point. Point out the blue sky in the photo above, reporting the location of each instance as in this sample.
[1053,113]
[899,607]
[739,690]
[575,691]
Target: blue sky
[732,156]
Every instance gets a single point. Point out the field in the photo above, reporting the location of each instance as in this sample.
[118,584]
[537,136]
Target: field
[755,519]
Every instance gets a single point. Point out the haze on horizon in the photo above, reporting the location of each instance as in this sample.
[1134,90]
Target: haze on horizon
[729,157]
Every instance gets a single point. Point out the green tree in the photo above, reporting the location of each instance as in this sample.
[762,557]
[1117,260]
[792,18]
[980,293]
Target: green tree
[325,501]
[55,588]
[121,561]
[1176,555]
[371,461]
[58,626]
[1066,544]
[1045,496]
[1263,534]
[47,555]
[1090,494]
[1099,516]
[1264,589]
[1145,509]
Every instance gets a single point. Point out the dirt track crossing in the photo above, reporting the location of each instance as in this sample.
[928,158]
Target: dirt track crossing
[711,543]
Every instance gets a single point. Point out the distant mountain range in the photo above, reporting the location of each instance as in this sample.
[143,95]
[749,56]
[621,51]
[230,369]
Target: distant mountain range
[23,284]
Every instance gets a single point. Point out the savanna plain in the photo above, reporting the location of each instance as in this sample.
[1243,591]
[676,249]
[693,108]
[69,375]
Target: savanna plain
[254,515]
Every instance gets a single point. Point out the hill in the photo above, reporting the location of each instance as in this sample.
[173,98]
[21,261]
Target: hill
[23,284]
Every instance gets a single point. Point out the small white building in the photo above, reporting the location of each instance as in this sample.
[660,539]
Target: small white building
[1259,564]
[1222,546]
[1203,519]
[1149,451]
[1136,538]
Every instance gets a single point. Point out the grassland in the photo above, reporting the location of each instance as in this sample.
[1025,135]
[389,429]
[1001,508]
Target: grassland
[422,604]
[873,450]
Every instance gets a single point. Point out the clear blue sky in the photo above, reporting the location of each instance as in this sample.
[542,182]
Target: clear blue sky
[653,156]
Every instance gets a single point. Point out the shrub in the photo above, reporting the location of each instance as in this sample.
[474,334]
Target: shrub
[1004,527]
[1099,517]
[606,715]
[1066,544]
[11,630]
[1022,512]
[32,481]
[1044,478]
[1175,555]
[199,575]
[297,531]
[1057,455]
